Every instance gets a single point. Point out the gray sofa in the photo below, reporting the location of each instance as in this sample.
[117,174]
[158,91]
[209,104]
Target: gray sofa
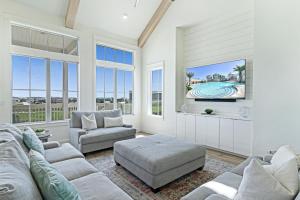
[17,183]
[100,138]
[228,180]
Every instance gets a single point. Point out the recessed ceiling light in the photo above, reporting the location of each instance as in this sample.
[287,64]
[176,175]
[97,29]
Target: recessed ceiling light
[125,16]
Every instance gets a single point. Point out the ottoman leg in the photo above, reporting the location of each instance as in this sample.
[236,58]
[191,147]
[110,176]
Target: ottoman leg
[155,190]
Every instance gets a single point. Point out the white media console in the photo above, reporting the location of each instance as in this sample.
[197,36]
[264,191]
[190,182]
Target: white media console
[228,133]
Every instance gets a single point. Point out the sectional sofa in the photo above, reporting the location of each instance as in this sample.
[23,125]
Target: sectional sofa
[17,183]
[224,186]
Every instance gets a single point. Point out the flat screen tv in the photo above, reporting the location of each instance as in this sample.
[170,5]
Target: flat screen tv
[217,81]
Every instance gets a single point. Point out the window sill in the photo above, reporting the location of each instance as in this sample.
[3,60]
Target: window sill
[45,124]
[156,116]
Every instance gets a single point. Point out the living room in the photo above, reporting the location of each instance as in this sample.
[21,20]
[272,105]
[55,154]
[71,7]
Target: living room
[141,63]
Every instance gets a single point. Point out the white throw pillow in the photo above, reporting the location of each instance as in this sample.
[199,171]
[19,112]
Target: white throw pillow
[113,122]
[258,184]
[286,174]
[88,122]
[283,154]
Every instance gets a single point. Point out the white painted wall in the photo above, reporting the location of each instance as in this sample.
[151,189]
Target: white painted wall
[12,11]
[276,75]
[220,39]
[162,47]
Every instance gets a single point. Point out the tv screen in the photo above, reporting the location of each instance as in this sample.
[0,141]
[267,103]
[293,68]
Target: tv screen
[217,81]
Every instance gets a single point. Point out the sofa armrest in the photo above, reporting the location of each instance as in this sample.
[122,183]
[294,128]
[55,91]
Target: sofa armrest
[239,170]
[51,145]
[75,134]
[268,158]
[127,126]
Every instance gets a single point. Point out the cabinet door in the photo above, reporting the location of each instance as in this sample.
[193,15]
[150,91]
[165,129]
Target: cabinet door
[226,134]
[242,137]
[212,132]
[200,130]
[180,126]
[190,128]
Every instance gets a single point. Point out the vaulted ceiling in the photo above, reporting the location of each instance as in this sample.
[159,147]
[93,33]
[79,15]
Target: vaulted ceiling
[104,14]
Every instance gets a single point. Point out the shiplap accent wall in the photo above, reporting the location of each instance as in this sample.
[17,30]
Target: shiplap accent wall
[219,40]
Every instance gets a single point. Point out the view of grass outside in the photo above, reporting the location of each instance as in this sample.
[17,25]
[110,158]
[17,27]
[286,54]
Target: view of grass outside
[156,86]
[29,89]
[37,112]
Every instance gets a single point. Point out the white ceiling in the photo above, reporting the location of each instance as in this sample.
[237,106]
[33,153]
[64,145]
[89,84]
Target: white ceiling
[104,14]
[52,7]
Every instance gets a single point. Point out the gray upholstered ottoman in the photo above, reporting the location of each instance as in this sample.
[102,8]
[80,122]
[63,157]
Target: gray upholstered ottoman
[158,159]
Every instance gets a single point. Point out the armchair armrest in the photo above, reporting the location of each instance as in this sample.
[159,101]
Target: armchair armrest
[75,134]
[127,126]
[51,145]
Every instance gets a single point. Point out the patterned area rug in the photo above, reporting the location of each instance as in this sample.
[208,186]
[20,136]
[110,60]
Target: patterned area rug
[103,160]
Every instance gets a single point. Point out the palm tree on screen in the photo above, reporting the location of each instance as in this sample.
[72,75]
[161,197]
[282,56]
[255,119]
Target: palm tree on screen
[190,76]
[240,70]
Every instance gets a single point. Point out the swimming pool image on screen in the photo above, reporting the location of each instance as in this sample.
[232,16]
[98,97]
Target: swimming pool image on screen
[217,81]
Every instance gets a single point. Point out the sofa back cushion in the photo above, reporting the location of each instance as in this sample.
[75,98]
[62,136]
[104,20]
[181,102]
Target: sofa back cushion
[15,132]
[110,122]
[75,121]
[52,184]
[16,181]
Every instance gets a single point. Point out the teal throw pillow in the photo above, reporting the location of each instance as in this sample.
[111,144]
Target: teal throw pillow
[32,141]
[52,184]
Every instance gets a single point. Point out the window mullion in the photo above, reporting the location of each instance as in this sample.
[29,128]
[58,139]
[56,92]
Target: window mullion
[48,91]
[115,87]
[65,89]
[29,117]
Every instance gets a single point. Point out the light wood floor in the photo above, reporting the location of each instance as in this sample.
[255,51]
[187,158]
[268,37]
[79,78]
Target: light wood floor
[227,157]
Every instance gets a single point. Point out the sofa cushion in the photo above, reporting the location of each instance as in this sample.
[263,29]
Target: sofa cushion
[98,187]
[110,122]
[217,197]
[15,132]
[226,185]
[32,141]
[158,153]
[88,122]
[74,168]
[258,184]
[64,152]
[52,184]
[16,181]
[10,150]
[105,134]
[75,121]
[239,170]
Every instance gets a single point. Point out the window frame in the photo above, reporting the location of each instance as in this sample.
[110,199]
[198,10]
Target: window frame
[150,69]
[48,56]
[115,66]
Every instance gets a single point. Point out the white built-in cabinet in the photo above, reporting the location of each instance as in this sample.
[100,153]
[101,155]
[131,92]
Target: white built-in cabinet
[228,134]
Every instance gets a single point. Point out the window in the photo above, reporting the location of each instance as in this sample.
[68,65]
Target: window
[44,78]
[29,89]
[114,55]
[124,91]
[155,75]
[114,79]
[31,92]
[105,88]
